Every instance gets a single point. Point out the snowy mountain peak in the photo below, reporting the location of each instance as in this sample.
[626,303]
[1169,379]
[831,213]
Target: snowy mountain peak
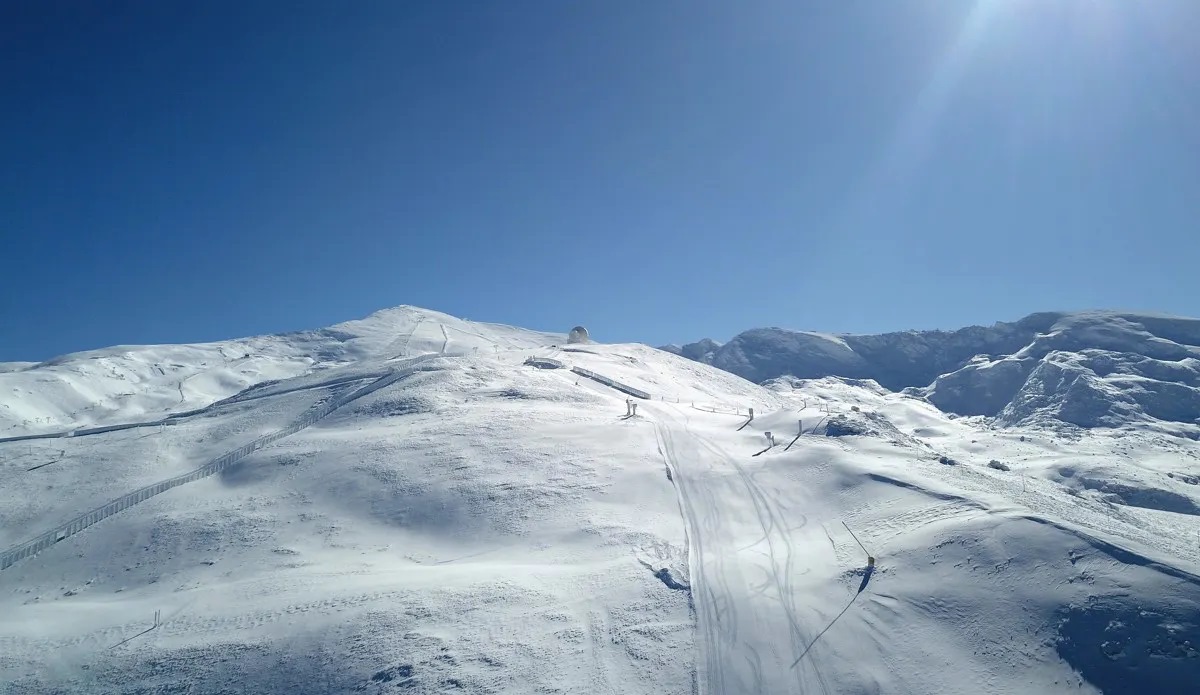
[1087,369]
[131,382]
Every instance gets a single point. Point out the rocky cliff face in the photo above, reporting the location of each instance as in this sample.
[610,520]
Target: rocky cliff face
[699,351]
[1090,369]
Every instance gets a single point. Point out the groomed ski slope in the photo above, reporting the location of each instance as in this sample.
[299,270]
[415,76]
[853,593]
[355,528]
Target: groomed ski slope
[491,527]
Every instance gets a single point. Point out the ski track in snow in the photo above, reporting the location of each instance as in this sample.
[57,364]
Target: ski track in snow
[84,521]
[729,600]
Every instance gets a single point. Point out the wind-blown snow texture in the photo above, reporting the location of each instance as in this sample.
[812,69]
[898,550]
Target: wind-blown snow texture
[1087,369]
[484,525]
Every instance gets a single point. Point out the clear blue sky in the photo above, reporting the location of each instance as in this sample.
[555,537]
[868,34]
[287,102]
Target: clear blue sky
[659,171]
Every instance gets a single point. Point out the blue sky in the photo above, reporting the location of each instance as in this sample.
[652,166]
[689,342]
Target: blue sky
[659,171]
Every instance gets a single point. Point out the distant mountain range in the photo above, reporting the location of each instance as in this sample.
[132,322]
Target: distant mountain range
[1088,369]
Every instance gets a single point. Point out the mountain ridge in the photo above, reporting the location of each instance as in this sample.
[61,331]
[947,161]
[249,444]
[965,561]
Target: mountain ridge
[1087,369]
[125,382]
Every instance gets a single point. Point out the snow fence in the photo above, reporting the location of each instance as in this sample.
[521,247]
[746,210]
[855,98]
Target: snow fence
[612,383]
[79,523]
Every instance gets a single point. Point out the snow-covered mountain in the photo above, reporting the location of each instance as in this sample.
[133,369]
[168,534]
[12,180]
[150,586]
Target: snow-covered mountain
[1088,369]
[124,383]
[416,504]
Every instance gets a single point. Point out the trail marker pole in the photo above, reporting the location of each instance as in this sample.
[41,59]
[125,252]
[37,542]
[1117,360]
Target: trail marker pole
[157,623]
[870,558]
[798,435]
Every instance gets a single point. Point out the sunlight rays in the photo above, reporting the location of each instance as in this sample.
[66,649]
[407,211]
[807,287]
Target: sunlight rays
[912,138]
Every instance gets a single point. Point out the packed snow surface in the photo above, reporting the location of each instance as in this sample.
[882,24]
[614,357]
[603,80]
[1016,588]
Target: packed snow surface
[461,518]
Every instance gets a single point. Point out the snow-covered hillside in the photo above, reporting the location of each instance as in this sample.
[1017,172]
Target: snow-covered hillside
[127,383]
[1086,369]
[404,515]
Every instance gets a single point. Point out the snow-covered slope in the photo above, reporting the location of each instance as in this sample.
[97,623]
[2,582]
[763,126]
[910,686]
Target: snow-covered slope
[469,521]
[135,383]
[1088,369]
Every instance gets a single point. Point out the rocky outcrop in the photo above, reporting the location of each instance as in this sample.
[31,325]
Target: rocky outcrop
[699,351]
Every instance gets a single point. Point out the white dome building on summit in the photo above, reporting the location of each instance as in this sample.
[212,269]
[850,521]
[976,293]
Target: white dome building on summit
[578,334]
